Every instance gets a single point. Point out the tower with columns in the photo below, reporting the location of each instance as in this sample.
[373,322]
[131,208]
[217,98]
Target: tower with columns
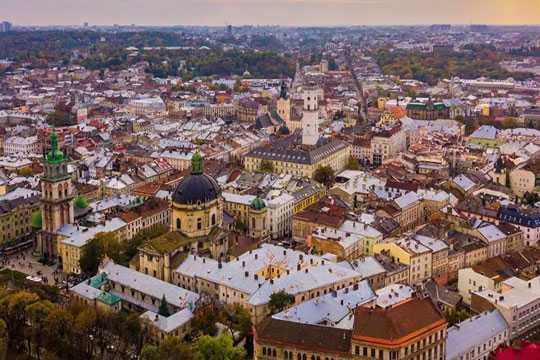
[57,197]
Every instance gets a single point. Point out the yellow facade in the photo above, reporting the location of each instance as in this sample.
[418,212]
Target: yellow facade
[197,220]
[337,160]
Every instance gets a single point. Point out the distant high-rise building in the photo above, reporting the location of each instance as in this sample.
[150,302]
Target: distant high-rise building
[229,29]
[85,24]
[5,26]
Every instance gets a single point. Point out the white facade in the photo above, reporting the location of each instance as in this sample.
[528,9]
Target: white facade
[310,117]
[17,145]
[280,213]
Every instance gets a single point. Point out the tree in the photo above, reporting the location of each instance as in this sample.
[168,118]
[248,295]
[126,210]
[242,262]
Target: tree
[91,257]
[164,307]
[38,313]
[81,202]
[279,301]
[4,339]
[217,348]
[454,316]
[353,164]
[237,320]
[37,220]
[266,166]
[172,348]
[25,172]
[204,320]
[150,352]
[103,244]
[325,175]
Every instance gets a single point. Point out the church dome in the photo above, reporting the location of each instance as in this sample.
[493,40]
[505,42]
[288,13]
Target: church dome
[196,188]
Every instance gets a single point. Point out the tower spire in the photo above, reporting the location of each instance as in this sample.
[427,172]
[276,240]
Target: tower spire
[197,167]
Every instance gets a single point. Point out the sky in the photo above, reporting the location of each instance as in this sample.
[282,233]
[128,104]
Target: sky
[269,12]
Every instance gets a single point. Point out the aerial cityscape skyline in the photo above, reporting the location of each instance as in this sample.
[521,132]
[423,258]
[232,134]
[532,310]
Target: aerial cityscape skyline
[266,12]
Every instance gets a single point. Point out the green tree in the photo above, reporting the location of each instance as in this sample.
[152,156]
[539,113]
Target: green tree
[325,175]
[164,307]
[279,301]
[266,166]
[91,256]
[81,202]
[150,352]
[172,348]
[217,348]
[37,220]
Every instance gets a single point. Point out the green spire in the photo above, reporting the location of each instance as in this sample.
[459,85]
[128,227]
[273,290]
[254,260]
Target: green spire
[196,164]
[55,155]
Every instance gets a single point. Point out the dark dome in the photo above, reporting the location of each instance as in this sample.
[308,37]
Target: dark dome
[195,189]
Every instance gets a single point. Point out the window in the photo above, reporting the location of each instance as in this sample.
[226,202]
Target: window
[178,224]
[199,224]
[213,219]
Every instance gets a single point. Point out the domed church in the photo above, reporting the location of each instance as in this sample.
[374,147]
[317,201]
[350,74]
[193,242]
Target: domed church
[197,205]
[196,225]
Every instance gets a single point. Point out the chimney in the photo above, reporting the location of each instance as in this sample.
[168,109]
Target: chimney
[256,256]
[246,273]
[219,265]
[256,277]
[271,281]
[243,264]
[298,268]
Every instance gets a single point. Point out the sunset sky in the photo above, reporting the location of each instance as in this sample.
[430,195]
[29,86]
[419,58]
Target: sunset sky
[279,12]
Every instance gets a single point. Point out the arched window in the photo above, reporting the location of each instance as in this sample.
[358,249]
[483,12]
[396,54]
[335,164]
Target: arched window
[213,219]
[178,224]
[274,354]
[199,224]
[264,351]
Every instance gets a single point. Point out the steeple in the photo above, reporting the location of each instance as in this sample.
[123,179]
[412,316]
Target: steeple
[54,156]
[197,164]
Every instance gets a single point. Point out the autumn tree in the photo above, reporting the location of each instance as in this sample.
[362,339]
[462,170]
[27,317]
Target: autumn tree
[279,301]
[325,175]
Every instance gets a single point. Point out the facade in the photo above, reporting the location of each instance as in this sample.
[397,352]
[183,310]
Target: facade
[57,196]
[16,218]
[150,214]
[518,301]
[116,287]
[22,146]
[477,337]
[299,161]
[310,117]
[147,106]
[377,333]
[428,110]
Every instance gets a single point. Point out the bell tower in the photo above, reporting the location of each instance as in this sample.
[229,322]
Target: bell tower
[57,194]
[310,116]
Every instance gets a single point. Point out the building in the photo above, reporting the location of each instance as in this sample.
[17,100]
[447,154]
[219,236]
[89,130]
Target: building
[411,253]
[22,146]
[16,218]
[251,279]
[525,178]
[477,337]
[150,214]
[196,225]
[286,156]
[283,105]
[383,333]
[518,301]
[527,220]
[251,211]
[376,333]
[428,110]
[488,274]
[116,287]
[72,239]
[147,106]
[57,196]
[310,117]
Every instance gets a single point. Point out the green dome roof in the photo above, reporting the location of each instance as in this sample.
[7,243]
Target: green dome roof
[258,203]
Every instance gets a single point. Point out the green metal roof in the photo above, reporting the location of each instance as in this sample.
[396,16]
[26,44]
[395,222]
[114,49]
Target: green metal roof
[108,298]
